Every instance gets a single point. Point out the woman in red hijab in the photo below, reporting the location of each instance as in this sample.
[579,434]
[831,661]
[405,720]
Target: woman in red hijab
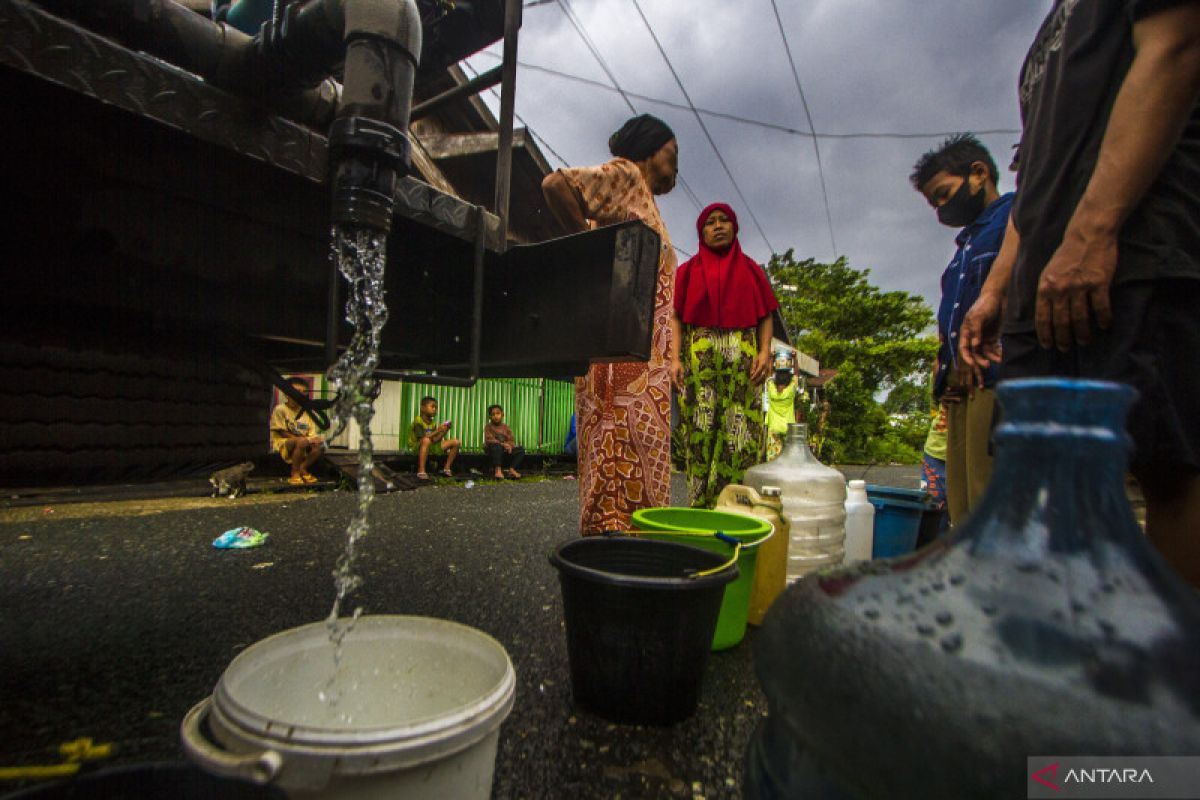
[721,354]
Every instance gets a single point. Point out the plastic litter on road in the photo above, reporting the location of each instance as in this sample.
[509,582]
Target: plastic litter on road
[240,538]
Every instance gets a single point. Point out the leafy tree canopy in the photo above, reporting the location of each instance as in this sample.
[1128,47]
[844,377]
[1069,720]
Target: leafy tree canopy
[879,344]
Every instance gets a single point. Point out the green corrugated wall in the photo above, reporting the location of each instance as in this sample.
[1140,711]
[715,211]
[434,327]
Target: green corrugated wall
[538,410]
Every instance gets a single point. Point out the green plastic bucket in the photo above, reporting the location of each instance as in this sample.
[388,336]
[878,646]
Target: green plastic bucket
[695,527]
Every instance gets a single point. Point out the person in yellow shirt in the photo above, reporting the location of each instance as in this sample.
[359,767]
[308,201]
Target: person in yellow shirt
[784,399]
[933,467]
[294,436]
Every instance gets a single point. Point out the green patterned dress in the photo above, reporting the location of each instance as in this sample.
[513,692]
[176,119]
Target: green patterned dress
[720,410]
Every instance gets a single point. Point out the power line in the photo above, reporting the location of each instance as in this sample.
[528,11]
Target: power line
[532,132]
[587,40]
[808,115]
[708,112]
[703,127]
[576,23]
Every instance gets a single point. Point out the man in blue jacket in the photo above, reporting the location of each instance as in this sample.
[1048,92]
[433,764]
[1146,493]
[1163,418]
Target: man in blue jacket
[958,179]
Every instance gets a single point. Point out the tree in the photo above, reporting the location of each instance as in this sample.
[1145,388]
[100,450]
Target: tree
[880,346]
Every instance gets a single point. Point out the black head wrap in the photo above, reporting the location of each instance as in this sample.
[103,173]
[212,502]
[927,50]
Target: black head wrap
[639,138]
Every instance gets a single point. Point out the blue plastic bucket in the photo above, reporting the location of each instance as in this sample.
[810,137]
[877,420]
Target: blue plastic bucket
[897,519]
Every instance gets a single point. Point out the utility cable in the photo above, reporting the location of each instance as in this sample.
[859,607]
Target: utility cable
[708,112]
[541,140]
[703,127]
[808,115]
[576,23]
[587,40]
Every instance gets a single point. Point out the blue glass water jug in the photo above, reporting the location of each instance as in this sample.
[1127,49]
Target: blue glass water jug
[1046,625]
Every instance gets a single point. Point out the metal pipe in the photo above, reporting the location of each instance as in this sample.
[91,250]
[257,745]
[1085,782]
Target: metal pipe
[477,291]
[221,54]
[378,42]
[508,91]
[369,148]
[484,80]
[332,317]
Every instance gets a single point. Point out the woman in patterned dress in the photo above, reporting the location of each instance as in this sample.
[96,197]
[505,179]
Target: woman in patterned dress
[623,410]
[722,326]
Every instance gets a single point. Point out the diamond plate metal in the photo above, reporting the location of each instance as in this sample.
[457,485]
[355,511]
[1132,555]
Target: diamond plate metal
[41,44]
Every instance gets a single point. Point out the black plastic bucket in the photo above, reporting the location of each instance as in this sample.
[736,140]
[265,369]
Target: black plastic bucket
[155,781]
[640,623]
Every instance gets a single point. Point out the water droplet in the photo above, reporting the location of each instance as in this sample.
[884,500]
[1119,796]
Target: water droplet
[952,643]
[938,586]
[925,629]
[1077,607]
[871,613]
[988,610]
[957,580]
[944,618]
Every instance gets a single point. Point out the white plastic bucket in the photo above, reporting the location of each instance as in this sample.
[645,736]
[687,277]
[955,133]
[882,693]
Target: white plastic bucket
[418,715]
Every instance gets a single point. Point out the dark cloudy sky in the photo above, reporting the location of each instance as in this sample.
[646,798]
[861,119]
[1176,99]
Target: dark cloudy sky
[866,66]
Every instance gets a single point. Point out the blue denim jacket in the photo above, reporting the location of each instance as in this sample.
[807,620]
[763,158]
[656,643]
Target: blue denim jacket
[978,246]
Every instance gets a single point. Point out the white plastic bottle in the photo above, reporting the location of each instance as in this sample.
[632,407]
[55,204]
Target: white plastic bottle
[860,523]
[814,497]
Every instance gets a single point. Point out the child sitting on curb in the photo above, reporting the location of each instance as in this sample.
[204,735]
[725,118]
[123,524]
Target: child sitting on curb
[428,438]
[501,445]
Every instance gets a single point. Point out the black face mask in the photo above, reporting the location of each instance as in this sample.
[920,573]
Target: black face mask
[963,208]
[783,375]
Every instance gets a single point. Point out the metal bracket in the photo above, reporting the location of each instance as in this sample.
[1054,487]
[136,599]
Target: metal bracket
[316,408]
[476,320]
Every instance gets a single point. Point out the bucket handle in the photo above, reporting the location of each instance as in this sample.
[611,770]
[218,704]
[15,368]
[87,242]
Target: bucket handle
[260,768]
[737,551]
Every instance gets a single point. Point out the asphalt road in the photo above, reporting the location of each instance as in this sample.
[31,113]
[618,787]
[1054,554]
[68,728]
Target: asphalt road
[113,625]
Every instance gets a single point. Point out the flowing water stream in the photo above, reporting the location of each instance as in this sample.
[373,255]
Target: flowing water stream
[361,256]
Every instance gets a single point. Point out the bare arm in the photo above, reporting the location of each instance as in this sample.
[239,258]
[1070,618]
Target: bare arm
[979,336]
[1148,116]
[762,361]
[565,203]
[676,345]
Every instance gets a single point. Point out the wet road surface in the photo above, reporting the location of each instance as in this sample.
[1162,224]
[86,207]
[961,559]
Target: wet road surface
[113,625]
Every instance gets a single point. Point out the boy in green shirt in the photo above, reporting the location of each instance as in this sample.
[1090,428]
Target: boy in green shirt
[428,438]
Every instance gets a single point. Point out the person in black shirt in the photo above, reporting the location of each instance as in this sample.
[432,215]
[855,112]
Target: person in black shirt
[1099,274]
